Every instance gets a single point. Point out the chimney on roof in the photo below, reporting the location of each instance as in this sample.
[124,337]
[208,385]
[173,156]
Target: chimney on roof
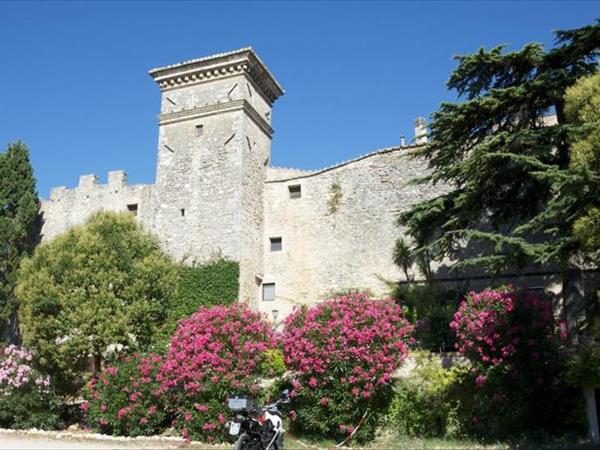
[402,141]
[420,130]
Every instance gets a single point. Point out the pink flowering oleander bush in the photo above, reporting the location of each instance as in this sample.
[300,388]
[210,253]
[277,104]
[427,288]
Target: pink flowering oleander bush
[341,354]
[215,353]
[124,399]
[27,398]
[513,342]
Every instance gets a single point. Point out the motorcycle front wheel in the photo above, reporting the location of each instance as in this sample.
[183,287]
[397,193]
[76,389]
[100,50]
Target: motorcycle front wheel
[245,442]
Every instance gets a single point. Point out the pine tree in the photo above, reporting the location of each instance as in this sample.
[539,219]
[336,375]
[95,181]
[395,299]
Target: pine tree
[19,213]
[509,194]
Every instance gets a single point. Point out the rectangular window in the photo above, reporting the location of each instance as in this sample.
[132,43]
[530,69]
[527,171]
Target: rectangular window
[276,244]
[199,130]
[133,208]
[182,212]
[295,191]
[268,292]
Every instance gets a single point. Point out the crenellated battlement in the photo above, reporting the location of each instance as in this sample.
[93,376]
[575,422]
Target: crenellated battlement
[72,206]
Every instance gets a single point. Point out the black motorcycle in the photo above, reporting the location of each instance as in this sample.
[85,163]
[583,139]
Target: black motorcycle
[256,427]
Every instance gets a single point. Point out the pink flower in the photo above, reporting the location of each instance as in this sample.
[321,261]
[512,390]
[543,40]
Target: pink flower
[85,406]
[222,419]
[103,407]
[151,410]
[143,421]
[312,382]
[480,380]
[201,408]
[122,413]
[324,401]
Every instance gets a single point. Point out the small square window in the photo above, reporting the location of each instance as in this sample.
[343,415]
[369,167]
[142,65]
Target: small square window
[182,212]
[295,191]
[199,130]
[133,208]
[276,244]
[268,292]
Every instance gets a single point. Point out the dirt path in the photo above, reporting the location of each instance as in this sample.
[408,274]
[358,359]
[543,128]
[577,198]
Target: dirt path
[54,440]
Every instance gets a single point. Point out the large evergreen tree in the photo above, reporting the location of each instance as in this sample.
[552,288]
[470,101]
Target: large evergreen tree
[19,210]
[506,171]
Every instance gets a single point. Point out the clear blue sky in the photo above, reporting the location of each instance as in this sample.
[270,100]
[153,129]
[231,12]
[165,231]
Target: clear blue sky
[74,83]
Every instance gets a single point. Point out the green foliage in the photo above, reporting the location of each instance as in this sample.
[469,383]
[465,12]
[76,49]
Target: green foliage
[215,283]
[30,409]
[336,194]
[273,364]
[430,307]
[583,370]
[403,257]
[507,169]
[426,404]
[97,287]
[19,224]
[582,107]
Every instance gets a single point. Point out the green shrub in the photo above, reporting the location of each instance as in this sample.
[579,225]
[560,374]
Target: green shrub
[99,286]
[430,308]
[583,370]
[273,364]
[427,403]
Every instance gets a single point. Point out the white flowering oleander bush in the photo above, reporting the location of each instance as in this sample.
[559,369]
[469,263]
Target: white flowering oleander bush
[27,398]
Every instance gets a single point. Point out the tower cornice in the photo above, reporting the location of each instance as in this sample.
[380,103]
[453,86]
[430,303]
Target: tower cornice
[217,108]
[201,70]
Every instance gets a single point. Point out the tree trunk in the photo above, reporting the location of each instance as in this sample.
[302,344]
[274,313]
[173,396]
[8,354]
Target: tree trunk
[97,364]
[573,304]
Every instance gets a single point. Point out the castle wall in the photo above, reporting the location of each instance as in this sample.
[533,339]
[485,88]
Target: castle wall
[330,247]
[70,207]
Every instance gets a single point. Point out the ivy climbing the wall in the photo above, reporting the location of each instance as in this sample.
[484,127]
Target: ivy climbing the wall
[214,283]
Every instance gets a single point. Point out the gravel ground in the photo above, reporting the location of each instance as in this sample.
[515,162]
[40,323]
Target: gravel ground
[24,440]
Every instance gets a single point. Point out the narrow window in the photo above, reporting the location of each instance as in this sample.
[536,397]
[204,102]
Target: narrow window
[295,191]
[199,130]
[182,211]
[133,208]
[268,292]
[276,245]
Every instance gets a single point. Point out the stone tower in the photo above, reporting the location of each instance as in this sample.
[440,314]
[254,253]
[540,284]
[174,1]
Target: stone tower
[214,147]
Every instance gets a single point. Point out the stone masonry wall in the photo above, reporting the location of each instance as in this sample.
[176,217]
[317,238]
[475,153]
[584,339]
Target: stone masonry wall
[328,245]
[70,207]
